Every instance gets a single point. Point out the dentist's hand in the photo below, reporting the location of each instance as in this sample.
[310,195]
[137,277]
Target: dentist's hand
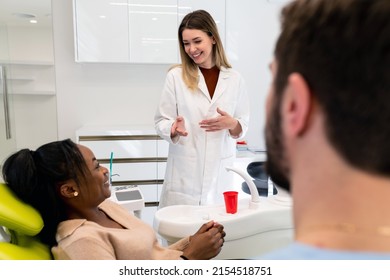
[206,243]
[224,121]
[178,127]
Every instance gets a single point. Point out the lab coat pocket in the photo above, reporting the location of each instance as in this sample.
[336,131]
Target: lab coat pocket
[182,174]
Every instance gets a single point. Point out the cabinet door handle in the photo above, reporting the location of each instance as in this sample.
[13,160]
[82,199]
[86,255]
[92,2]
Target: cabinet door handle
[3,80]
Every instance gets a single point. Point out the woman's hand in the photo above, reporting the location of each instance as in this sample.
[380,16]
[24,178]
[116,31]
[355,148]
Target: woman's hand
[224,121]
[206,243]
[178,127]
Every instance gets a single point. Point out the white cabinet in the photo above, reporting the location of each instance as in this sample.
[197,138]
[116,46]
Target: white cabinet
[216,8]
[129,31]
[153,31]
[101,31]
[139,158]
[135,31]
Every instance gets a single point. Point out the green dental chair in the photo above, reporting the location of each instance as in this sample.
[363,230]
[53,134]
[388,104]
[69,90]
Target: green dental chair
[19,224]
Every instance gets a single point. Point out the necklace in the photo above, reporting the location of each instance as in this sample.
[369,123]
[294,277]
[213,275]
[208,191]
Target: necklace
[353,229]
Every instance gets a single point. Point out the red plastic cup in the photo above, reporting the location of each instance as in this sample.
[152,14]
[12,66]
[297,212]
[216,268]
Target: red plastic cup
[231,201]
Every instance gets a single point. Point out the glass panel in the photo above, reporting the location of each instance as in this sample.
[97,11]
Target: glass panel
[27,51]
[7,125]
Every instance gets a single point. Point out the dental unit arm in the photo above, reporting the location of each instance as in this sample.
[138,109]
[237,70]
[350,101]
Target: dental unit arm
[255,198]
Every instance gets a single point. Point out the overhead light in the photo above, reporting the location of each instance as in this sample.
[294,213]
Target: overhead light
[33,21]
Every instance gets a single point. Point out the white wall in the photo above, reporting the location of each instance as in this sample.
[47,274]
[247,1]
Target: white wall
[30,43]
[251,30]
[35,120]
[120,94]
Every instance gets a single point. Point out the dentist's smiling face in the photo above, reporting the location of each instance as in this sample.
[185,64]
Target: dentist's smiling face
[199,47]
[98,179]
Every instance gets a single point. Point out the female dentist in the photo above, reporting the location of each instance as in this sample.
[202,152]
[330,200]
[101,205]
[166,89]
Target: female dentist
[203,110]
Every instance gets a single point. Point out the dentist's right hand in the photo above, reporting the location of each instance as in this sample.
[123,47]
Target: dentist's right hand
[178,127]
[206,243]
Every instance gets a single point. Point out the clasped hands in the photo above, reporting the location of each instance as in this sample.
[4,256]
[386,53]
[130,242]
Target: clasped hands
[206,243]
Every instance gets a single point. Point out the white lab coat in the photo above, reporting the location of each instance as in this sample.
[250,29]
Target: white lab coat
[195,173]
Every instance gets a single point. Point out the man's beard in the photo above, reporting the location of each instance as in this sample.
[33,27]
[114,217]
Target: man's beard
[276,164]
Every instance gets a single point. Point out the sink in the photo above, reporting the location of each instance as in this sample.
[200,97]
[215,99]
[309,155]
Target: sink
[260,225]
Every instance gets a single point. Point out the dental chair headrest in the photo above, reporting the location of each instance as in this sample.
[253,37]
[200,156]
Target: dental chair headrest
[17,215]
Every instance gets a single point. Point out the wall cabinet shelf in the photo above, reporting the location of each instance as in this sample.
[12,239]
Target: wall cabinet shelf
[48,93]
[28,63]
[20,79]
[30,77]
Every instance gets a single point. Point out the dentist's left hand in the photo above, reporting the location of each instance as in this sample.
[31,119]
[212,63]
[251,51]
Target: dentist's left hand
[224,121]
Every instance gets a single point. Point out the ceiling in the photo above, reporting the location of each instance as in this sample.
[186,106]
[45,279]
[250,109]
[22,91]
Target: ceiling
[19,12]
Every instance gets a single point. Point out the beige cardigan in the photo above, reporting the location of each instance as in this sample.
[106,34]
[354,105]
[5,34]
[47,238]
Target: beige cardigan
[81,239]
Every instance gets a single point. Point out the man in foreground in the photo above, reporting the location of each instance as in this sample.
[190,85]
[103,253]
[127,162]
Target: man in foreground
[328,127]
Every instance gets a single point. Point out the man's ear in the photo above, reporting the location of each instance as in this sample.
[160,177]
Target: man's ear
[69,189]
[297,105]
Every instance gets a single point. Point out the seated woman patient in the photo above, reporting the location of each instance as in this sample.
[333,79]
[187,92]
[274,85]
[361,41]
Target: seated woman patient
[69,188]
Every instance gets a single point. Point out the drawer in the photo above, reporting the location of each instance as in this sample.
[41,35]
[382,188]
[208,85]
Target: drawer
[134,171]
[161,167]
[122,148]
[159,189]
[149,192]
[162,148]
